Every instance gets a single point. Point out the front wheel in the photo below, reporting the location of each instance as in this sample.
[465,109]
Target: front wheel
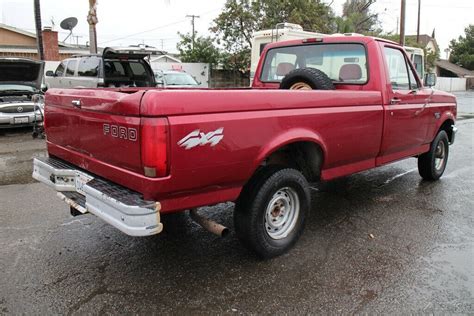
[271,211]
[431,165]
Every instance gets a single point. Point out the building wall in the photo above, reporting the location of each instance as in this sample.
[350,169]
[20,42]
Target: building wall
[8,37]
[431,46]
[228,79]
[33,55]
[50,45]
[451,84]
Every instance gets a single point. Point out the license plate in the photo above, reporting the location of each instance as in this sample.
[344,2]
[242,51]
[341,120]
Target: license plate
[21,120]
[81,181]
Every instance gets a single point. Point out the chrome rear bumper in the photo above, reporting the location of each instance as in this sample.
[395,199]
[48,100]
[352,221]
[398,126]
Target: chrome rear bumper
[118,206]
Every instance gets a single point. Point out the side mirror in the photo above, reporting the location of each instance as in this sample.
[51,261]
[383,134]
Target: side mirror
[44,88]
[50,73]
[430,79]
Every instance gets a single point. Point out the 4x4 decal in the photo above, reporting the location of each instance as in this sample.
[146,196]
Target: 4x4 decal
[198,138]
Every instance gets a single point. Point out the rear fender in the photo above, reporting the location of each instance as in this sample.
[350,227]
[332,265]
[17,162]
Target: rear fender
[287,137]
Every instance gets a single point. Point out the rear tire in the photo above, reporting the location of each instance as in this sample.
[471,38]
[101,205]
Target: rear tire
[431,165]
[271,211]
[306,79]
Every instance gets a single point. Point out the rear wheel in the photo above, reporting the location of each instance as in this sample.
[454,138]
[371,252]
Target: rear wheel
[306,79]
[271,211]
[431,165]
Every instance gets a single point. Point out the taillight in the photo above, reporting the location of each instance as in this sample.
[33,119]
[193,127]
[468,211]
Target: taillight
[154,146]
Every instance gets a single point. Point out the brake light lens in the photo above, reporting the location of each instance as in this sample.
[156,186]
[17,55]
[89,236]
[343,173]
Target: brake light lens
[154,147]
[312,40]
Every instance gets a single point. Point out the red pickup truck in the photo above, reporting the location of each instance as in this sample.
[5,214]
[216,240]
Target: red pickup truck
[129,155]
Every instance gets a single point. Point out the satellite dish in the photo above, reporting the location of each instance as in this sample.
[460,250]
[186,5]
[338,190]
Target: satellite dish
[68,24]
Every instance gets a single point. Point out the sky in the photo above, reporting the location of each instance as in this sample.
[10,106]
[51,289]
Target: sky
[156,22]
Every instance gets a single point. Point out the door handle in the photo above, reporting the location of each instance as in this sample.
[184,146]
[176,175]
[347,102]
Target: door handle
[76,103]
[395,101]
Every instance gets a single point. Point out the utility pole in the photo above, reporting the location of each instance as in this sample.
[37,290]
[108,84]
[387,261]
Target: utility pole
[402,23]
[39,34]
[418,26]
[192,16]
[92,20]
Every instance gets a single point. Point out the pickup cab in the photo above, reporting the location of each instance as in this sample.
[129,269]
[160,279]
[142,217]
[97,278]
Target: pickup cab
[319,108]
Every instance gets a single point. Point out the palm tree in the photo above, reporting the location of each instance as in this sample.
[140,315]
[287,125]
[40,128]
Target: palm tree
[39,34]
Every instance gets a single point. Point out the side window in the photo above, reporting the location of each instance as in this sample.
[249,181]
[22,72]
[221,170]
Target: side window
[397,68]
[138,69]
[418,62]
[71,67]
[413,83]
[88,67]
[60,70]
[262,47]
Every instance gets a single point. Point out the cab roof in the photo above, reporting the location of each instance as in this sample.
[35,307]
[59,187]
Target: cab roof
[357,38]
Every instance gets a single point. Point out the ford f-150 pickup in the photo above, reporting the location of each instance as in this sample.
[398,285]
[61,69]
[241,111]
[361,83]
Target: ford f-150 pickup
[319,108]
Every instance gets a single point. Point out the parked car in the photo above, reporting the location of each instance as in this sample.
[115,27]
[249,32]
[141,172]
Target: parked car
[175,79]
[138,154]
[115,67]
[21,99]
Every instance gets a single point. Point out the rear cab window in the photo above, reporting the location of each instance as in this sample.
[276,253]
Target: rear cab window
[123,72]
[344,63]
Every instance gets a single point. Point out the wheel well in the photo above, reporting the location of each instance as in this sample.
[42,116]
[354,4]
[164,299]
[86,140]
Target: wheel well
[306,156]
[446,126]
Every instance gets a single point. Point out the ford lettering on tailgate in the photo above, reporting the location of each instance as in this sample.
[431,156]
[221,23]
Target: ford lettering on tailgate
[122,132]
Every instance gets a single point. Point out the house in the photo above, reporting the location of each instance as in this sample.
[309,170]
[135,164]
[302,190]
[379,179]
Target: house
[427,42]
[446,70]
[15,42]
[165,59]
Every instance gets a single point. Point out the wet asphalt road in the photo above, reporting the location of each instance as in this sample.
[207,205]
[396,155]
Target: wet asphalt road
[420,259]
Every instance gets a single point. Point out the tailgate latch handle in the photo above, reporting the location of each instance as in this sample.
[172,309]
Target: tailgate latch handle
[76,103]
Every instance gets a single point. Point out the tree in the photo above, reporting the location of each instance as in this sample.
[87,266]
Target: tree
[357,17]
[241,18]
[462,49]
[204,50]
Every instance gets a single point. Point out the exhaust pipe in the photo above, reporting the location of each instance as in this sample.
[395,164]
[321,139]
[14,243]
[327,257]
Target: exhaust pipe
[208,224]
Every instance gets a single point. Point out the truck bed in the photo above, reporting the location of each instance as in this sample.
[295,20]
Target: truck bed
[252,121]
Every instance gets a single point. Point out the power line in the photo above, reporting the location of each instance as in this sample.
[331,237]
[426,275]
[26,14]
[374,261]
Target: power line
[156,28]
[138,33]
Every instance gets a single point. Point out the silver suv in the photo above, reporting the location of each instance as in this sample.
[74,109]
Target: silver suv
[21,100]
[116,67]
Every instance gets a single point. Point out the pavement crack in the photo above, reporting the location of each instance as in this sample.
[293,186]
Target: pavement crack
[99,290]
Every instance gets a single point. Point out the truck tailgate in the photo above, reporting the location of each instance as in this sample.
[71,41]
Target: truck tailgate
[101,124]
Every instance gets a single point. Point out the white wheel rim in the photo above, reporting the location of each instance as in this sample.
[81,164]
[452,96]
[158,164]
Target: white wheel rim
[440,154]
[282,213]
[300,86]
